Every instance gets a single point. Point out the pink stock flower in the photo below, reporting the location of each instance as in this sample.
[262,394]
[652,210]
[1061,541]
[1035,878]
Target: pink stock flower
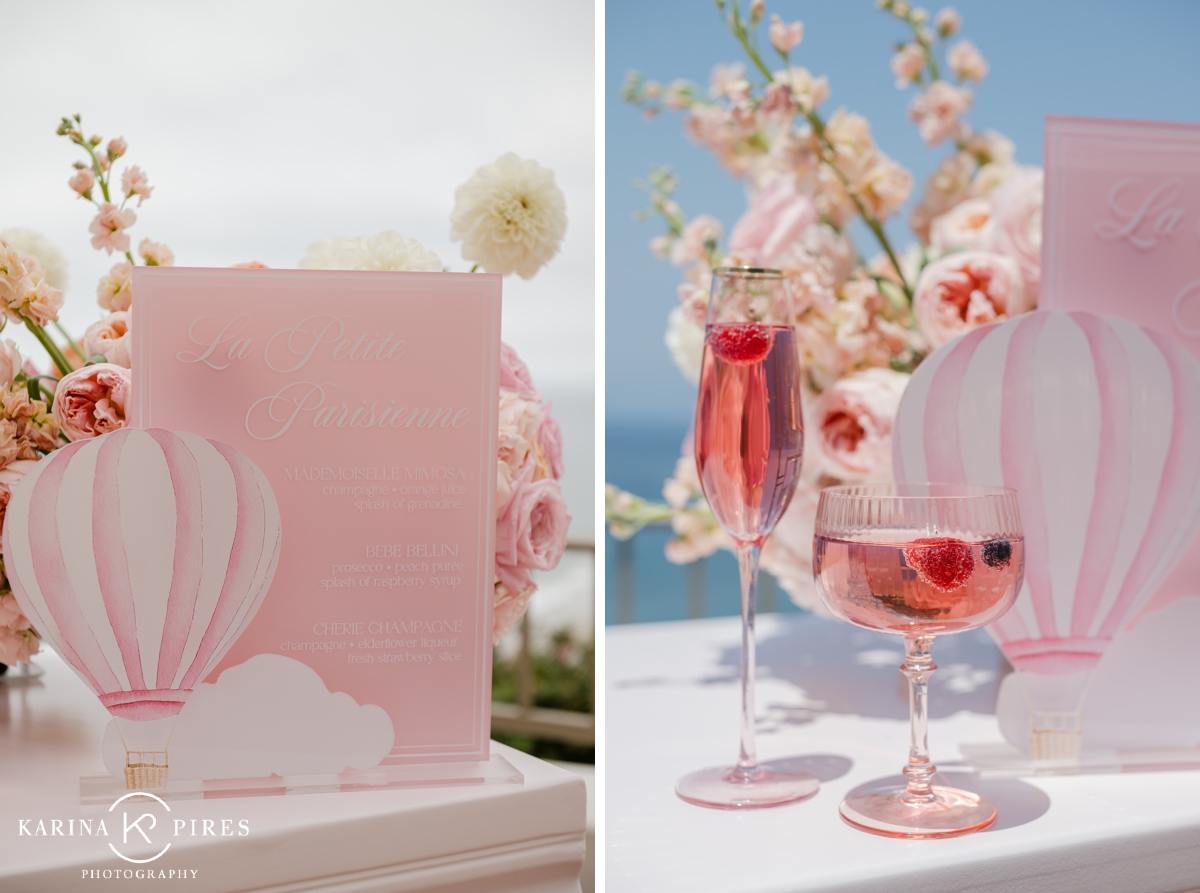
[693,246]
[785,36]
[115,291]
[134,182]
[10,362]
[110,338]
[508,607]
[82,182]
[515,375]
[884,187]
[936,111]
[907,64]
[777,100]
[36,302]
[728,81]
[551,439]
[776,218]
[117,147]
[10,611]
[965,290]
[852,423]
[809,92]
[156,254]
[947,21]
[247,265]
[966,62]
[717,129]
[962,228]
[91,401]
[108,228]
[1015,229]
[18,644]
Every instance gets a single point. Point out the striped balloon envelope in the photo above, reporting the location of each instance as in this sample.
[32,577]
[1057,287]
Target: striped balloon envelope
[1095,422]
[141,556]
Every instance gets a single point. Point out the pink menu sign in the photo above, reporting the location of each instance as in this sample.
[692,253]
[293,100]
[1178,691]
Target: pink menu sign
[1121,236]
[369,401]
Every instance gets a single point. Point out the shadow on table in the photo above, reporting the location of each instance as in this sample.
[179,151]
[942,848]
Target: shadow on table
[841,668]
[823,767]
[1017,802]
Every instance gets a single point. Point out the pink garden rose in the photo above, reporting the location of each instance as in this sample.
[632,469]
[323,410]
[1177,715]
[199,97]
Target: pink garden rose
[967,289]
[962,228]
[110,338]
[851,426]
[532,532]
[108,228]
[1015,229]
[91,401]
[514,375]
[774,221]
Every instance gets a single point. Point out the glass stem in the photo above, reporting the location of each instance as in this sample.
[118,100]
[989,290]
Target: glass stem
[748,553]
[918,666]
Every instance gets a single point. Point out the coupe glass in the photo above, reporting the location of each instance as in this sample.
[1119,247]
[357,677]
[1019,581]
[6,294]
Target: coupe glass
[918,560]
[749,441]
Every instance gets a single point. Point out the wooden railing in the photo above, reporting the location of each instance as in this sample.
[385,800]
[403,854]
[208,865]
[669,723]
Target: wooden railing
[524,717]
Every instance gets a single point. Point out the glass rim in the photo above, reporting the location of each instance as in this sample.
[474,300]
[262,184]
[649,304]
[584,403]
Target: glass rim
[749,273]
[891,491]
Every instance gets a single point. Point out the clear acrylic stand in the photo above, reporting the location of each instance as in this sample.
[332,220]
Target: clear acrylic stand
[105,789]
[1002,760]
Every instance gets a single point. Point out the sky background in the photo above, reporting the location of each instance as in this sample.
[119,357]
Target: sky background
[1100,58]
[264,126]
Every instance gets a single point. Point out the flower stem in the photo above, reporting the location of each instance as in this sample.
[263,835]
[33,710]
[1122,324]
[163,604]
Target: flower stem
[51,348]
[738,29]
[71,341]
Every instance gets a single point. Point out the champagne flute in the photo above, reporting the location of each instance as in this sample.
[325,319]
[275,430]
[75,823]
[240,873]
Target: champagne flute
[749,441]
[918,560]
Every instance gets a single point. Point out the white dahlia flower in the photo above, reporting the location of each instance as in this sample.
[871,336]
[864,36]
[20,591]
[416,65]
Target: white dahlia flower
[387,250]
[53,261]
[510,216]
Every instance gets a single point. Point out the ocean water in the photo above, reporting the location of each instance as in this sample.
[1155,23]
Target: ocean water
[640,584]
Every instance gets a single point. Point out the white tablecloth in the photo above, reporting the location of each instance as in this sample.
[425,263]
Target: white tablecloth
[490,838]
[830,696]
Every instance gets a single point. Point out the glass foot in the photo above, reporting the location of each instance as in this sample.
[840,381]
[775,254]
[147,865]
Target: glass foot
[728,787]
[883,810]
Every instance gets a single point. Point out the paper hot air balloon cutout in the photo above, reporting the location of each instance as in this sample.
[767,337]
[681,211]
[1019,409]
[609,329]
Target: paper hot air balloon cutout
[1095,422]
[141,556]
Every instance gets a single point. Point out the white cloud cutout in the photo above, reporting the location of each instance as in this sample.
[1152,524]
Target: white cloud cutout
[269,715]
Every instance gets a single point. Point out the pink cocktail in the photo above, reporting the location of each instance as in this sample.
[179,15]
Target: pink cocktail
[918,560]
[749,442]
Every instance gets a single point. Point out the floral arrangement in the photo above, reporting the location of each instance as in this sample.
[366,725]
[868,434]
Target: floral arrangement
[862,325]
[511,217]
